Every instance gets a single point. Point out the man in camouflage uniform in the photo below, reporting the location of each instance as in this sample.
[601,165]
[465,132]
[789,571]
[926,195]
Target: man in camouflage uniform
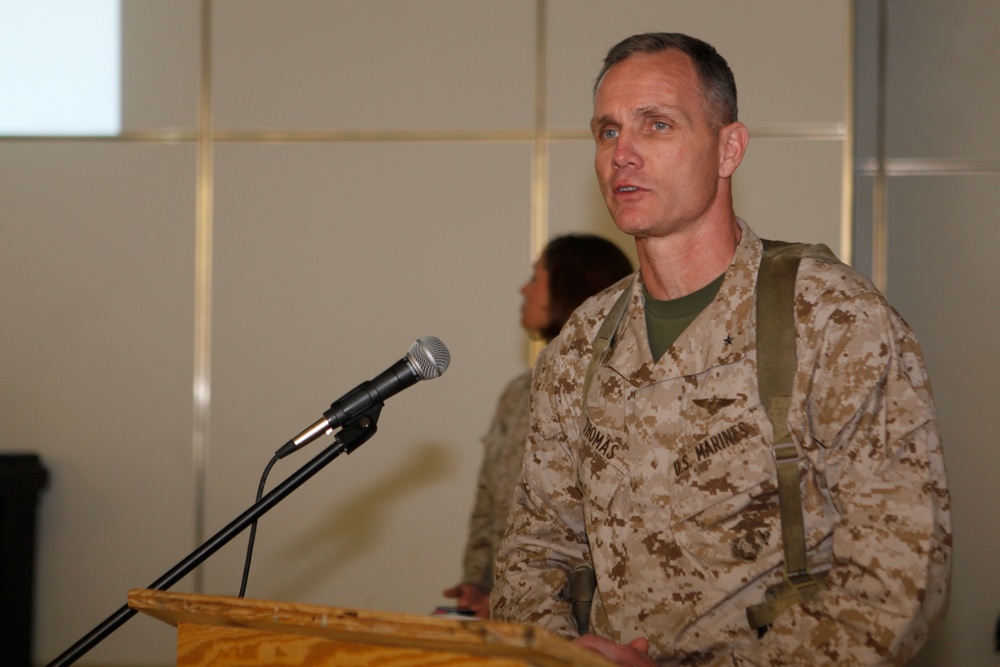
[663,477]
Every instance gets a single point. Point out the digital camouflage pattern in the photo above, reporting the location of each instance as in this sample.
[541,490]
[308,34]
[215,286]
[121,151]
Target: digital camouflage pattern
[503,450]
[670,487]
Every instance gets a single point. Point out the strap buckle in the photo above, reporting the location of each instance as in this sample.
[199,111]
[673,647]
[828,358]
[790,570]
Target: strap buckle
[785,452]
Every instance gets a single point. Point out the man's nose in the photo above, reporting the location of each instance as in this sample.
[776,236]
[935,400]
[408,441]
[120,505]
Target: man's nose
[626,151]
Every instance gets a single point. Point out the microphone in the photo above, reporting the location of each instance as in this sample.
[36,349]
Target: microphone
[426,359]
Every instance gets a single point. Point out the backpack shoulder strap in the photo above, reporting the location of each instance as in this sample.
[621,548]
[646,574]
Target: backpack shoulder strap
[583,581]
[602,342]
[776,363]
[776,360]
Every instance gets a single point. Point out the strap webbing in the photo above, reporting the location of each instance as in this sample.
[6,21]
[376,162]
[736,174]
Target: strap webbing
[583,581]
[602,343]
[776,363]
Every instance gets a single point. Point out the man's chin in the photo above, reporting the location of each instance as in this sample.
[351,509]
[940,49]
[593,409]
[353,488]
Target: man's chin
[632,228]
[632,220]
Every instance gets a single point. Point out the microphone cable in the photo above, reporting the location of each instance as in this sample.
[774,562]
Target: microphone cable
[426,359]
[253,527]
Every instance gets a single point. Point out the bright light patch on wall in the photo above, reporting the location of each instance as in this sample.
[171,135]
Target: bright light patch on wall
[60,67]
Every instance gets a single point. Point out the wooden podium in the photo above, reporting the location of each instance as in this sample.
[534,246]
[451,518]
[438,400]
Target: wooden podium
[237,632]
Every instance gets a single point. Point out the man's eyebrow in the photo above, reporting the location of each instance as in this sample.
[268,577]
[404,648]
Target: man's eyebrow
[659,110]
[648,111]
[598,121]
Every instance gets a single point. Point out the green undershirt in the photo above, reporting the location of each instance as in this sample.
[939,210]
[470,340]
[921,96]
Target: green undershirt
[667,320]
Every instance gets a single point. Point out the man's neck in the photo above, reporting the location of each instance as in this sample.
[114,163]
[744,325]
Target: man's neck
[677,265]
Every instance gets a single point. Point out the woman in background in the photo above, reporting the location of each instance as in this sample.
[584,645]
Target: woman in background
[571,269]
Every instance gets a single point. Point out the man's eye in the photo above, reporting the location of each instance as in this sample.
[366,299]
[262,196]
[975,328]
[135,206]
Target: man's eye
[660,125]
[609,133]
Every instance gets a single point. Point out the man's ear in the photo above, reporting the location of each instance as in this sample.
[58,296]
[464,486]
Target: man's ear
[733,140]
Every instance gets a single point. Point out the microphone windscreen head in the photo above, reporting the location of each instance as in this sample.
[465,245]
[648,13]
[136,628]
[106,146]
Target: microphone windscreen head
[430,356]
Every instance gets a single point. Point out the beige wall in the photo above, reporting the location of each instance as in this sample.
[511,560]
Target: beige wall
[181,300]
[940,229]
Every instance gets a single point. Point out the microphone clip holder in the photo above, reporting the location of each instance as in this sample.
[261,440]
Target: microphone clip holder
[359,430]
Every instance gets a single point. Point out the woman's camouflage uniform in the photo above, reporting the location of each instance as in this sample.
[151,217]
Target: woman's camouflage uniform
[670,487]
[503,449]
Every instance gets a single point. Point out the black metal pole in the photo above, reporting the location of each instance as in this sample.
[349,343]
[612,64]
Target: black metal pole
[348,439]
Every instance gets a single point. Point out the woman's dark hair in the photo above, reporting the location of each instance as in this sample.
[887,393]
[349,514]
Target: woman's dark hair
[579,266]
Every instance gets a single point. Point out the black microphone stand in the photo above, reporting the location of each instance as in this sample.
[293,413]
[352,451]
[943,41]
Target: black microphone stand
[352,435]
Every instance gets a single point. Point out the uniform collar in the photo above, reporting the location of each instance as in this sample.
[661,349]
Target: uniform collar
[720,335]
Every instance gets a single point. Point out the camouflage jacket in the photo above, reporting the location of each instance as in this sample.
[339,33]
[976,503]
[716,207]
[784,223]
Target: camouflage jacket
[669,485]
[503,449]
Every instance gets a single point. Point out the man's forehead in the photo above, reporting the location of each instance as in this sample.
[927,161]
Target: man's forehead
[665,70]
[647,83]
